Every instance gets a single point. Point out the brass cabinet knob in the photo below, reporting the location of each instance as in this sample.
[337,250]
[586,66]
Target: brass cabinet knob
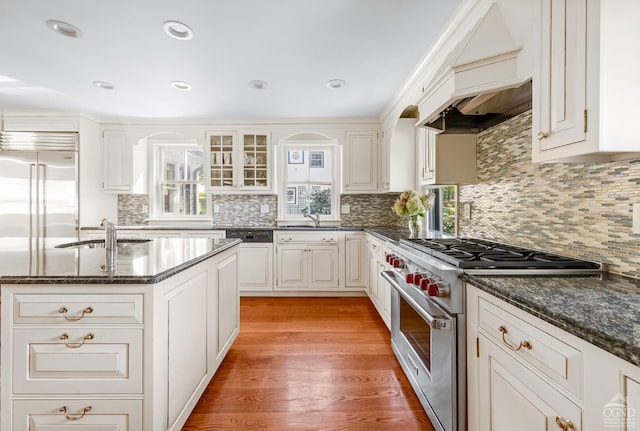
[542,135]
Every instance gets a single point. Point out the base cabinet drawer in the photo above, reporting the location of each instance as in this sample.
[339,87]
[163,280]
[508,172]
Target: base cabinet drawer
[81,415]
[552,357]
[77,361]
[77,309]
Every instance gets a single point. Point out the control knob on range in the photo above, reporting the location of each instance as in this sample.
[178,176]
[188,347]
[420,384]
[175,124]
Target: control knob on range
[434,287]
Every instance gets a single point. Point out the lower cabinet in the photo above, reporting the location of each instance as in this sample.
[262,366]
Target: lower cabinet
[512,397]
[258,257]
[74,414]
[307,261]
[379,289]
[356,260]
[187,354]
[131,357]
[524,373]
[228,312]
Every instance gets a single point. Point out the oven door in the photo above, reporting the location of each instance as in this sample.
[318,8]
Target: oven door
[423,338]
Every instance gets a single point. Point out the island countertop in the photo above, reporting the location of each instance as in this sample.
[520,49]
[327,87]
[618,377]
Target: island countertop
[135,263]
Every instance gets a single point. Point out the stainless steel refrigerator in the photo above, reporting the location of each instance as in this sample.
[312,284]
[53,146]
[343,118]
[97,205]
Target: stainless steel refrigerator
[38,197]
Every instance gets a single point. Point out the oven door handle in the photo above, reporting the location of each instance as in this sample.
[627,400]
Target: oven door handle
[441,322]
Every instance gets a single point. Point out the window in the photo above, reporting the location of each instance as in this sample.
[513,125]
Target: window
[309,181]
[179,186]
[442,216]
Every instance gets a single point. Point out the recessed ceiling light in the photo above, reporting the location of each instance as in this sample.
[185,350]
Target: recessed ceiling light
[64,28]
[181,85]
[336,83]
[257,84]
[177,30]
[104,85]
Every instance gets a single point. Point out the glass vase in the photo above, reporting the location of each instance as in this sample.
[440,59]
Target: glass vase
[414,227]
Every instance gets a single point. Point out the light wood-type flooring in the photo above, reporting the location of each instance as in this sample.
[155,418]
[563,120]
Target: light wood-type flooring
[309,364]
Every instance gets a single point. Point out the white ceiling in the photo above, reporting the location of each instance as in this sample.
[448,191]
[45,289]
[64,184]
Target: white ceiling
[296,46]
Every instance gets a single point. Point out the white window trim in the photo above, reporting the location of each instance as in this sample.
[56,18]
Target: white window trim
[334,146]
[155,212]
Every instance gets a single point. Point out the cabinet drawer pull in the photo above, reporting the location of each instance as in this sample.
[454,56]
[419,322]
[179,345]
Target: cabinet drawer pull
[564,424]
[526,343]
[65,337]
[64,311]
[542,135]
[74,417]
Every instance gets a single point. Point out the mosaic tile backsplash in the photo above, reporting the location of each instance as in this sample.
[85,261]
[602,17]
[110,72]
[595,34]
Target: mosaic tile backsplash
[244,210]
[582,210]
[130,210]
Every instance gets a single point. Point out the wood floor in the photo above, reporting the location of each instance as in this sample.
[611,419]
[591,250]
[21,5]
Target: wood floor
[309,364]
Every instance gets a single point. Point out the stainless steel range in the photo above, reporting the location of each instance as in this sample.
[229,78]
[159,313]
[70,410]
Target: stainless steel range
[427,311]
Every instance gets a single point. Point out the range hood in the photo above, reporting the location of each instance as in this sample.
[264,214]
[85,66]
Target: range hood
[477,113]
[476,84]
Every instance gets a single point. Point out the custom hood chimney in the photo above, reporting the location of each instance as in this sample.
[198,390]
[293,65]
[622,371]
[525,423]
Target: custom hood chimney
[477,84]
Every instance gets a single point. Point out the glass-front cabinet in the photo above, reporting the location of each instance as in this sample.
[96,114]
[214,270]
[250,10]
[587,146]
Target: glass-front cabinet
[239,161]
[255,157]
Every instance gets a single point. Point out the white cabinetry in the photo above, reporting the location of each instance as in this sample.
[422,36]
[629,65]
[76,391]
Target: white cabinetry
[397,159]
[524,373]
[379,289]
[126,357]
[257,259]
[41,123]
[307,261]
[239,166]
[512,397]
[581,103]
[73,414]
[356,260]
[361,162]
[66,354]
[124,164]
[228,310]
[446,158]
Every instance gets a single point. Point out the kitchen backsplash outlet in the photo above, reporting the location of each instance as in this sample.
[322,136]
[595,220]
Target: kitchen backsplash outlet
[582,210]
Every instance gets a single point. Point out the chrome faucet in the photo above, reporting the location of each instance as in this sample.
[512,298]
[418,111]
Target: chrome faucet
[316,219]
[110,239]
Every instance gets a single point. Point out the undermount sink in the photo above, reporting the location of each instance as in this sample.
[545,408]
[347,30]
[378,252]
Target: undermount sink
[99,243]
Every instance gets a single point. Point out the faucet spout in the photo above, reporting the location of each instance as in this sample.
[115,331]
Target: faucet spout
[316,219]
[110,237]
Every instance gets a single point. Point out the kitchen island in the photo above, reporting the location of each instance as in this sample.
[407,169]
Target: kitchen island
[127,339]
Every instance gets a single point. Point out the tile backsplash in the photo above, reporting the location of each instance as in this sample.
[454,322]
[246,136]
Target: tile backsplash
[582,210]
[244,210]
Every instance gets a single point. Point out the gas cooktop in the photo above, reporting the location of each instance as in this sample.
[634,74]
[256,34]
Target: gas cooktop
[468,253]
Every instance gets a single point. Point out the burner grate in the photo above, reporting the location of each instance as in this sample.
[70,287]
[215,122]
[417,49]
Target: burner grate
[470,253]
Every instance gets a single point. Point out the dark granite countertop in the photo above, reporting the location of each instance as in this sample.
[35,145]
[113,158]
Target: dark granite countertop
[136,263]
[603,310]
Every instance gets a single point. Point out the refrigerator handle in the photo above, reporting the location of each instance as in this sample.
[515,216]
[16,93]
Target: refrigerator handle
[42,201]
[32,167]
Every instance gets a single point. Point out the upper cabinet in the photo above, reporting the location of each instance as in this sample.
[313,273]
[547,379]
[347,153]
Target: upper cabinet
[398,157]
[41,123]
[446,158]
[361,162]
[124,163]
[239,162]
[582,109]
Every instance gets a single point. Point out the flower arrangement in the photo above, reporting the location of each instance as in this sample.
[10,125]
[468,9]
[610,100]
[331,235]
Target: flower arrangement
[411,204]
